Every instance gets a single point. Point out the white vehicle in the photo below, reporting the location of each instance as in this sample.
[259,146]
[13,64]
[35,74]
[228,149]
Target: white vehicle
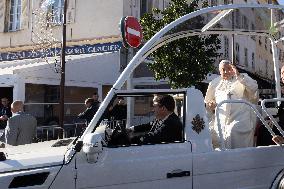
[94,161]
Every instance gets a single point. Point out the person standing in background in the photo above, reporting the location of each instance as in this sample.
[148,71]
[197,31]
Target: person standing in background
[5,112]
[21,127]
[119,110]
[96,104]
[90,111]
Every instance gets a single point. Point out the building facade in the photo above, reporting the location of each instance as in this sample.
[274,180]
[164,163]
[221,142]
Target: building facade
[30,47]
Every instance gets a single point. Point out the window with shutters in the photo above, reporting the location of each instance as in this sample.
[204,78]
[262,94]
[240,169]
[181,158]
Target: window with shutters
[266,67]
[281,55]
[252,62]
[14,22]
[253,28]
[265,43]
[145,7]
[57,12]
[245,22]
[246,56]
[213,2]
[237,53]
[226,47]
[237,19]
[259,41]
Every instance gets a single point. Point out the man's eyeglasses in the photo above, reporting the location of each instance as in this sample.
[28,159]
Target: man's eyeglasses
[157,105]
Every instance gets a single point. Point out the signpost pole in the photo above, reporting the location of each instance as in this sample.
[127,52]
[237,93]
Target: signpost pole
[131,32]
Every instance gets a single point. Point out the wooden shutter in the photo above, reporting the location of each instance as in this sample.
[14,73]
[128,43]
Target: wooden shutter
[71,10]
[25,14]
[2,15]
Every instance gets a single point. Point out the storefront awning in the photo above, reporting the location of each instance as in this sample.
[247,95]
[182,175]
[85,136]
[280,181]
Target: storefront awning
[85,69]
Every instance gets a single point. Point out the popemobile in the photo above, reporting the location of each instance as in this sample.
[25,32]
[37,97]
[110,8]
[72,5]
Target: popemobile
[102,157]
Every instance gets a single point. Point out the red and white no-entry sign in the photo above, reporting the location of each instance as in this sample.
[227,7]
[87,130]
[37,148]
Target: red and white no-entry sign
[131,31]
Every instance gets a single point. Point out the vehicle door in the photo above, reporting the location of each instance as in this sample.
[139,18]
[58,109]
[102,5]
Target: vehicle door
[165,165]
[147,166]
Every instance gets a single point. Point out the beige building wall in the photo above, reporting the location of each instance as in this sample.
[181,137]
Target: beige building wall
[88,20]
[264,60]
[264,63]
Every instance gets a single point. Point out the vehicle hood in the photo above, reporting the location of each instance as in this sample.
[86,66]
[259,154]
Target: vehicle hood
[34,155]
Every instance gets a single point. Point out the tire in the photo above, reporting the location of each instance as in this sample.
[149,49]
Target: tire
[278,183]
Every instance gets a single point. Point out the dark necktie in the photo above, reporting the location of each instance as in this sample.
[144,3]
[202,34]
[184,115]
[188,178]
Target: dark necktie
[156,124]
[4,111]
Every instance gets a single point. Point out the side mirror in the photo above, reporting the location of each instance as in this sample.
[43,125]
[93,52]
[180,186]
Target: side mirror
[92,146]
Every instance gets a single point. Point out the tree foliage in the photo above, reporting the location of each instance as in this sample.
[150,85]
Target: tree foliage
[185,61]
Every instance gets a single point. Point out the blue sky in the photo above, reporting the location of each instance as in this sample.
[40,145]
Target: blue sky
[281,2]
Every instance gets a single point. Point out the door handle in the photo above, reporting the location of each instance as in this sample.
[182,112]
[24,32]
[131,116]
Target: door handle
[178,173]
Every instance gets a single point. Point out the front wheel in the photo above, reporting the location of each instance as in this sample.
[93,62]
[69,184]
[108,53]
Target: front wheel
[278,183]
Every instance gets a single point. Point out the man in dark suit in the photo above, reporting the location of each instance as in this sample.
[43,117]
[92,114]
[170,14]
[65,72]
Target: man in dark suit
[119,110]
[21,127]
[90,111]
[166,127]
[96,104]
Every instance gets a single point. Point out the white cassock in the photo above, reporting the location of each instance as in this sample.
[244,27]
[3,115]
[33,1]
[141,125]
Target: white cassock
[237,120]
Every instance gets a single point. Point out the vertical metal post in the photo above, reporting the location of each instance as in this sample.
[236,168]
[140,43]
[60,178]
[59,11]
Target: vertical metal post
[276,69]
[129,86]
[275,59]
[62,81]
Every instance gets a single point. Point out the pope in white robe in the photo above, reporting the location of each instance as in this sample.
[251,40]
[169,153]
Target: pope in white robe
[237,120]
